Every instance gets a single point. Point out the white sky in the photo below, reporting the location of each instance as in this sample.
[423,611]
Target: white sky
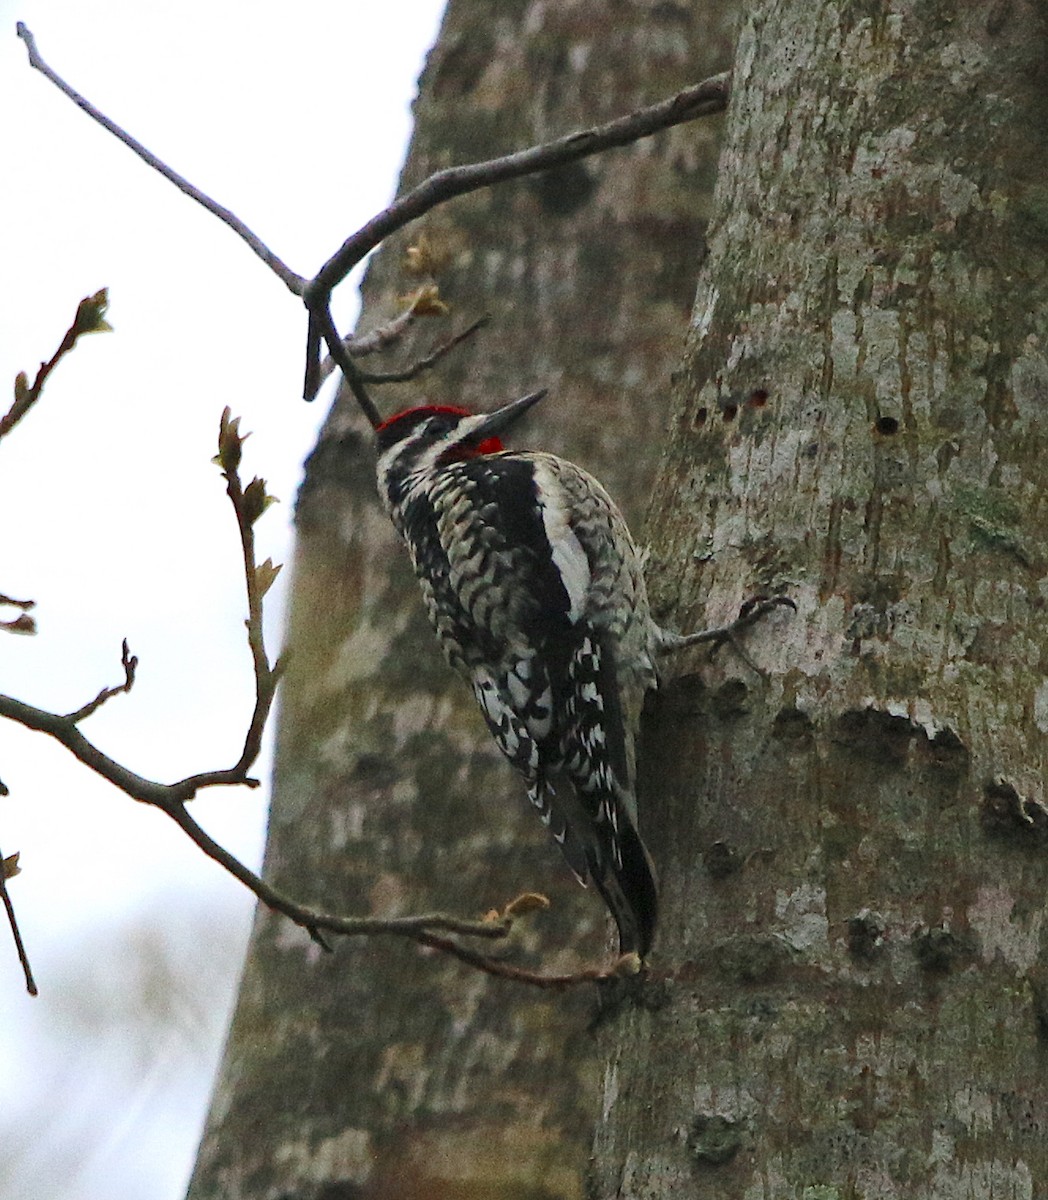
[115,521]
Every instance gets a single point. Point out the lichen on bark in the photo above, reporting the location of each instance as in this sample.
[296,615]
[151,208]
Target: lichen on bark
[860,421]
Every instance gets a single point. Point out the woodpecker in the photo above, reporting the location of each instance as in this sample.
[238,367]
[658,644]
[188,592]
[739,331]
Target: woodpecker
[536,592]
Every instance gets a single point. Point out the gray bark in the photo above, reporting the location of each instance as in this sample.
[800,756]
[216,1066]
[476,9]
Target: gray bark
[849,993]
[381,1071]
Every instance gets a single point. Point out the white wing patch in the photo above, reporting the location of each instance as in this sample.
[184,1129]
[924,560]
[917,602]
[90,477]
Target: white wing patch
[568,555]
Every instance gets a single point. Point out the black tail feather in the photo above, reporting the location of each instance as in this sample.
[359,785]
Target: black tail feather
[610,854]
[631,893]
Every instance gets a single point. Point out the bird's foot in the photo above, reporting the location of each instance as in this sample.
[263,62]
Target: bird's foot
[749,614]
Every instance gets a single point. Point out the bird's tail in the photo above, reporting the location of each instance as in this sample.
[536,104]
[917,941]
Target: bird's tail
[612,856]
[630,891]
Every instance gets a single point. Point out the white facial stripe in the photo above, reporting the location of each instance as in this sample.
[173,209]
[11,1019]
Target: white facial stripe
[422,466]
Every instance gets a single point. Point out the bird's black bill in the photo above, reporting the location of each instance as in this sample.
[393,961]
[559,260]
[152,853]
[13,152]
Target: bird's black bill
[502,418]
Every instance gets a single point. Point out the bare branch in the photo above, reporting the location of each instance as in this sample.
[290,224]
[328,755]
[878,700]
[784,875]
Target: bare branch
[385,335]
[295,283]
[64,731]
[369,343]
[430,360]
[701,99]
[322,324]
[628,964]
[24,605]
[425,928]
[129,662]
[171,799]
[249,504]
[90,318]
[313,919]
[8,868]
[312,380]
[378,338]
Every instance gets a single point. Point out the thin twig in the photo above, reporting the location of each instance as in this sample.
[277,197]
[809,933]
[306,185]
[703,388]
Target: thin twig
[387,335]
[295,283]
[430,360]
[312,380]
[504,970]
[370,343]
[381,336]
[171,798]
[64,731]
[325,324]
[248,505]
[90,318]
[313,919]
[701,99]
[12,920]
[129,662]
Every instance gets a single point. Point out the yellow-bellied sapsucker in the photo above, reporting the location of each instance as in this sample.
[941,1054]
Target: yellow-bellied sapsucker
[536,592]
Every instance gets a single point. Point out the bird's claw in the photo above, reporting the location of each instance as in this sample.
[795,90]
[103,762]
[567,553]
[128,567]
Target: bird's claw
[750,613]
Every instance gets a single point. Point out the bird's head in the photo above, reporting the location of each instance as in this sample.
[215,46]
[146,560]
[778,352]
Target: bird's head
[423,439]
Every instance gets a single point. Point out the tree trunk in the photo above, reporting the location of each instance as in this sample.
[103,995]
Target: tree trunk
[380,1071]
[850,993]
